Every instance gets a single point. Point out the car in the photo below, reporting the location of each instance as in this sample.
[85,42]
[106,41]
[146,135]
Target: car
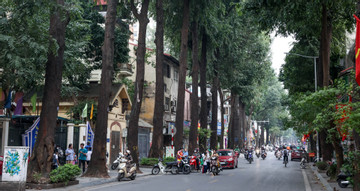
[296,154]
[1,164]
[227,158]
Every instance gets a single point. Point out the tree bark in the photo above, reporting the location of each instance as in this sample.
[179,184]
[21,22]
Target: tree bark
[204,109]
[156,149]
[242,116]
[222,118]
[231,129]
[267,135]
[326,148]
[214,104]
[41,159]
[194,96]
[338,152]
[262,135]
[98,160]
[139,82]
[179,123]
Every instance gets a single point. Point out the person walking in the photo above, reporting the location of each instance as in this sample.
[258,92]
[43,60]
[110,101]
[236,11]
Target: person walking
[56,163]
[82,157]
[70,154]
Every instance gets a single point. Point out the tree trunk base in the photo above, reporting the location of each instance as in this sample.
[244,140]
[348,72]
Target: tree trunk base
[95,173]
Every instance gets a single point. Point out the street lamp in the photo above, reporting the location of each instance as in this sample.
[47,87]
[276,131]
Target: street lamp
[313,57]
[304,56]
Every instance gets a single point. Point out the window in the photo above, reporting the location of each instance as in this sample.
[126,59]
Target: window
[176,75]
[165,88]
[166,70]
[167,104]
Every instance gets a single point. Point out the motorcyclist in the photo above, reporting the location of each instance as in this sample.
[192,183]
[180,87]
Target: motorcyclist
[197,155]
[129,159]
[179,156]
[286,155]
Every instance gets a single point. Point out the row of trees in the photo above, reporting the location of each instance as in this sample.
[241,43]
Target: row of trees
[325,111]
[228,50]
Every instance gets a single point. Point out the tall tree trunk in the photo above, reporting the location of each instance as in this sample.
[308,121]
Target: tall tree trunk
[139,83]
[98,161]
[41,159]
[257,141]
[236,124]
[336,142]
[179,123]
[156,149]
[214,108]
[242,122]
[262,135]
[325,41]
[214,104]
[267,135]
[231,129]
[222,118]
[204,109]
[193,135]
[326,148]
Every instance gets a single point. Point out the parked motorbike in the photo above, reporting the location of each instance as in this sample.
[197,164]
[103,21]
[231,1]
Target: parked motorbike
[116,162]
[123,171]
[342,179]
[263,155]
[302,163]
[159,167]
[214,166]
[250,157]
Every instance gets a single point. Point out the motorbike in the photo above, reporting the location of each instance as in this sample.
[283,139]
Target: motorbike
[159,167]
[116,162]
[278,155]
[123,171]
[302,163]
[286,161]
[214,166]
[342,179]
[257,153]
[250,157]
[194,163]
[175,167]
[263,155]
[246,152]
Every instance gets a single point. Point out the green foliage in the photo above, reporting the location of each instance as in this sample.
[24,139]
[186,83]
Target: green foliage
[153,161]
[332,171]
[322,165]
[352,164]
[64,173]
[149,161]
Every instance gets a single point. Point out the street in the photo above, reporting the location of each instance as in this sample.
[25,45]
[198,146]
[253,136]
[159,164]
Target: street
[268,174]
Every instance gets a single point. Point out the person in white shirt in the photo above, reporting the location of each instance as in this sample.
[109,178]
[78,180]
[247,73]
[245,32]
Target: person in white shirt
[88,156]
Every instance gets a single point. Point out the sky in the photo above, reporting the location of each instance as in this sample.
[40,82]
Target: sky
[279,46]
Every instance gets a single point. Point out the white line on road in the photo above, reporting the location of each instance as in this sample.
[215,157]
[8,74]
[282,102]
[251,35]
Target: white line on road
[306,181]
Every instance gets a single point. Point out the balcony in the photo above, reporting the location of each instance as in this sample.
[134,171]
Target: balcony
[125,69]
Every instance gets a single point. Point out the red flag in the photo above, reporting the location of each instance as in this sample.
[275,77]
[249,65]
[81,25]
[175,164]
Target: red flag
[357,51]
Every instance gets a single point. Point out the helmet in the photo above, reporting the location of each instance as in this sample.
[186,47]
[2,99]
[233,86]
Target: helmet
[128,151]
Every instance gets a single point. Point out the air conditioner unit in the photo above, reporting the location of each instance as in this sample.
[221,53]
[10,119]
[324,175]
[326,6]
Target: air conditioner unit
[166,107]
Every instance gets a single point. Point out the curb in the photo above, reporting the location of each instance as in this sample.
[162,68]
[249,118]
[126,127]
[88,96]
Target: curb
[322,180]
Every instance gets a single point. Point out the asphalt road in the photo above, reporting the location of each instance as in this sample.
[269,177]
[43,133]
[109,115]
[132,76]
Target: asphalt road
[269,174]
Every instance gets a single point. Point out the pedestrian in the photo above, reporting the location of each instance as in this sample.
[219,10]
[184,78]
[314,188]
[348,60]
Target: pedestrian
[82,156]
[87,146]
[56,163]
[70,154]
[88,156]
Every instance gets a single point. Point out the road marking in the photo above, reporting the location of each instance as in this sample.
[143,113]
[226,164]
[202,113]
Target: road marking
[306,181]
[232,174]
[213,181]
[188,190]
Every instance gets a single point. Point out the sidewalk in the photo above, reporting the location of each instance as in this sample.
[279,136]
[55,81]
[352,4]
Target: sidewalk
[89,182]
[325,180]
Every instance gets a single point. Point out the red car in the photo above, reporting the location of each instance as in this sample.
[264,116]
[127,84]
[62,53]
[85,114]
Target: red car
[296,154]
[1,164]
[227,158]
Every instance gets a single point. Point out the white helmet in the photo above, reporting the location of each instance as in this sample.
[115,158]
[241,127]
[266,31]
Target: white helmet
[128,151]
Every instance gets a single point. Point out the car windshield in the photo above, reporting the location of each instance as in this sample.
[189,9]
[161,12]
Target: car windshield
[224,153]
